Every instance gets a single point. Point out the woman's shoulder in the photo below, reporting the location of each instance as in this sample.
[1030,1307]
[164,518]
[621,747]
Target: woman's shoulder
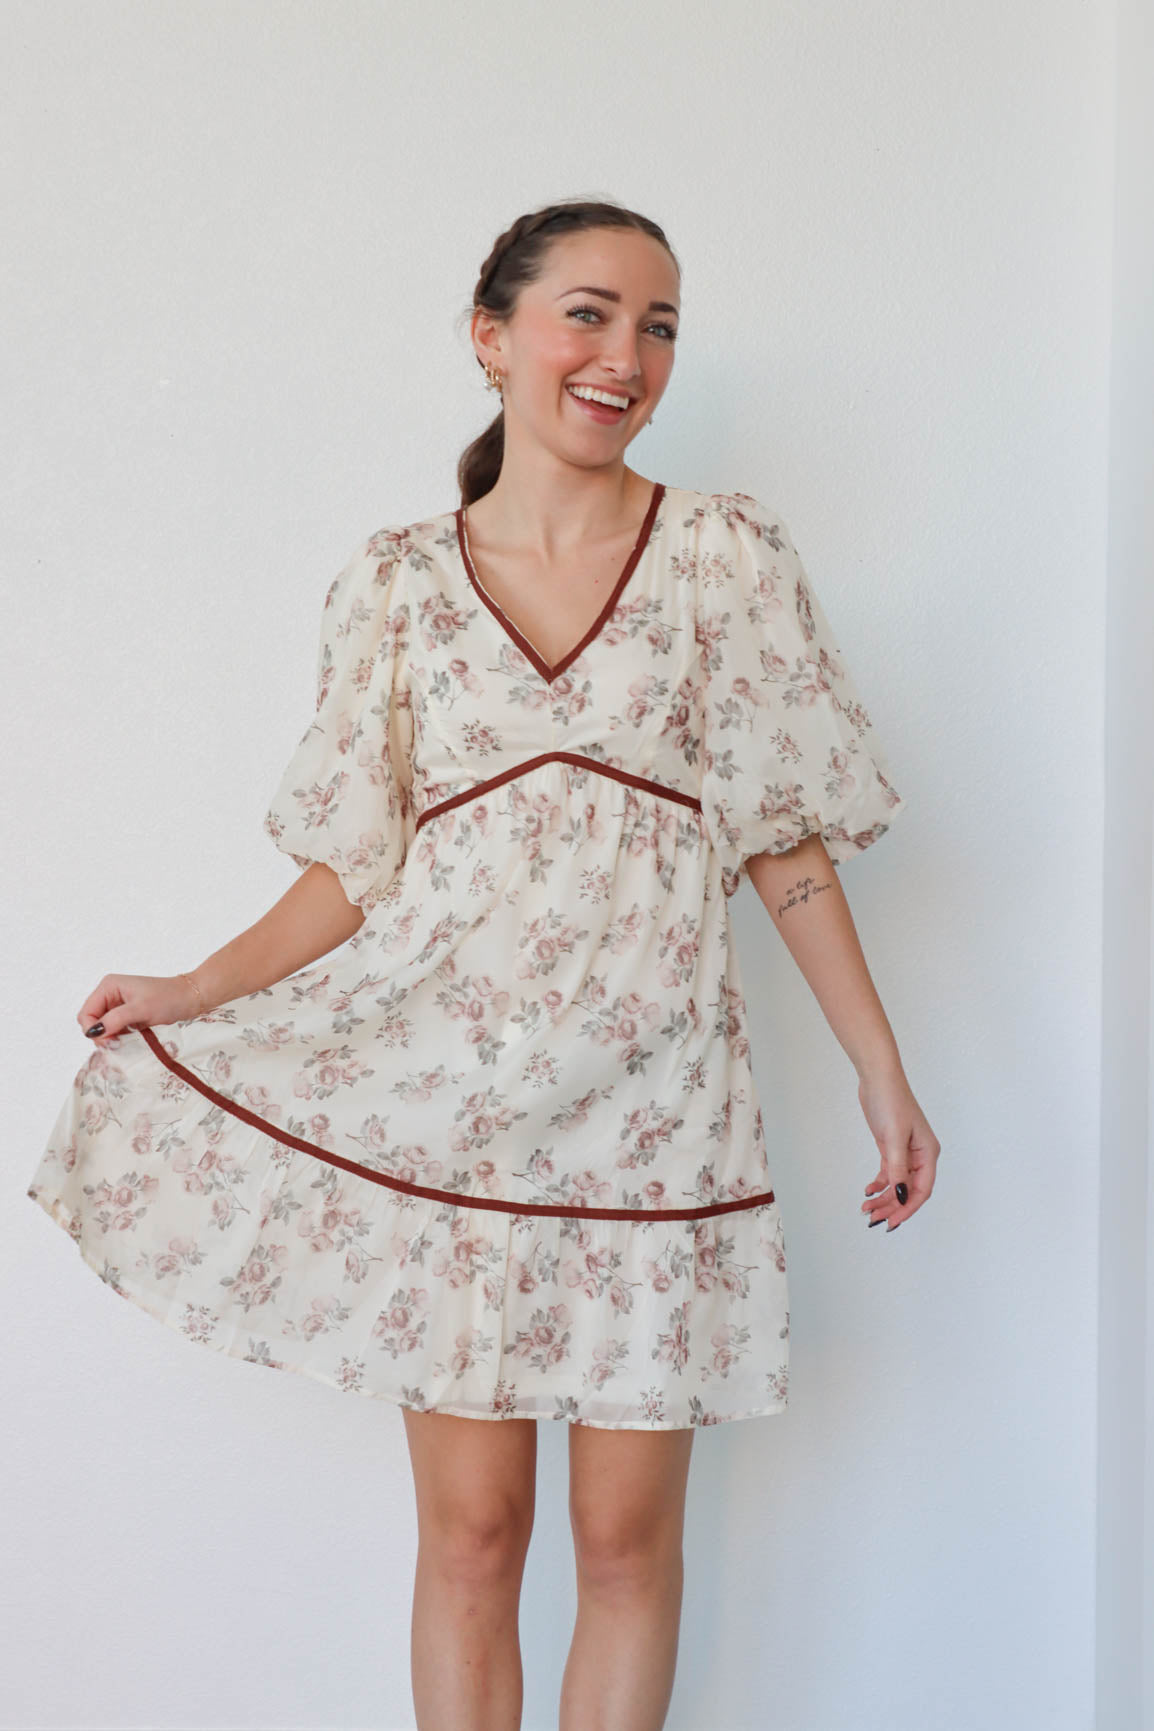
[736,517]
[735,505]
[739,506]
[393,540]
[381,555]
[372,573]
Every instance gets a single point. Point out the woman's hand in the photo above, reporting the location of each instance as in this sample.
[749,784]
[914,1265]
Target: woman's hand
[909,1148]
[136,1001]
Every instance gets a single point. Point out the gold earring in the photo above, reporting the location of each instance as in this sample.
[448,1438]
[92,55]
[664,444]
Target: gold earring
[492,377]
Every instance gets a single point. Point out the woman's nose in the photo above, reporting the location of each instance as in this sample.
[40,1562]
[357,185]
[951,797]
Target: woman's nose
[620,361]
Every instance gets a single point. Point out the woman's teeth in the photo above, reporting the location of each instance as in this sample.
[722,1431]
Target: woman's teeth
[604,400]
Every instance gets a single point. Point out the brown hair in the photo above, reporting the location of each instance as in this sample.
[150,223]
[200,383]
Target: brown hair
[518,257]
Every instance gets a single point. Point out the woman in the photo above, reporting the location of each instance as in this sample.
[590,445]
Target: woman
[499,1156]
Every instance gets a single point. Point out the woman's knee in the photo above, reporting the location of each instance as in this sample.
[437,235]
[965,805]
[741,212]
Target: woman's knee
[475,1484]
[617,1547]
[627,1505]
[476,1545]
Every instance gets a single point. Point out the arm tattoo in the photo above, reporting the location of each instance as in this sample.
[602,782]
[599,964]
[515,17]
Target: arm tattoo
[800,893]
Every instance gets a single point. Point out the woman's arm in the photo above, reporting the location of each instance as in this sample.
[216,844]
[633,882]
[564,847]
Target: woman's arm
[804,898]
[310,919]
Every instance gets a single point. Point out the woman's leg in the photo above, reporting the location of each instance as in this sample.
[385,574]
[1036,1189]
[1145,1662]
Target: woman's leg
[475,1481]
[627,1507]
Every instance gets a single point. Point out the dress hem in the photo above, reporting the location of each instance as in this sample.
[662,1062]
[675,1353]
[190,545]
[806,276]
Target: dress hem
[58,1211]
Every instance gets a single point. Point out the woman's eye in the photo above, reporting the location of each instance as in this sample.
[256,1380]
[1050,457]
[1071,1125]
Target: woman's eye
[670,330]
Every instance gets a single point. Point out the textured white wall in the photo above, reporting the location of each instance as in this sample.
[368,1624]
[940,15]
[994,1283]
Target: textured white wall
[244,233]
[1125,1577]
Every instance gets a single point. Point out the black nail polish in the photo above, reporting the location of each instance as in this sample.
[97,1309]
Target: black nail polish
[96,1028]
[876,1222]
[902,1194]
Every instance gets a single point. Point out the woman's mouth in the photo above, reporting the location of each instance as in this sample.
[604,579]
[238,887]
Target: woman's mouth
[598,411]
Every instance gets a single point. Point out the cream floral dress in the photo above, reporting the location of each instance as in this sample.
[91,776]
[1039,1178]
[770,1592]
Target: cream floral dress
[500,1154]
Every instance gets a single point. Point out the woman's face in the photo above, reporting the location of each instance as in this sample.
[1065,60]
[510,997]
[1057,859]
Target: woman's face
[604,313]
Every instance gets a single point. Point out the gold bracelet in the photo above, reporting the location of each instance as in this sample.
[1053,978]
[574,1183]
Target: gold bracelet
[197,990]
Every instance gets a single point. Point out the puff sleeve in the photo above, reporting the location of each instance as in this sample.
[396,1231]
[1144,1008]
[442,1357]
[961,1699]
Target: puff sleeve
[789,750]
[344,797]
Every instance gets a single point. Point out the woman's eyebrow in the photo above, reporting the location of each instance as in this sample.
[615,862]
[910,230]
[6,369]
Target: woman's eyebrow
[612,295]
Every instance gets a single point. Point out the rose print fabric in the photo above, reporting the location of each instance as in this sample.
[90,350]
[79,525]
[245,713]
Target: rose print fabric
[500,1154]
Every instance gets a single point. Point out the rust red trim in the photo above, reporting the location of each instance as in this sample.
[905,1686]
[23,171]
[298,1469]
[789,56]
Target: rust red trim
[580,761]
[450,1196]
[518,637]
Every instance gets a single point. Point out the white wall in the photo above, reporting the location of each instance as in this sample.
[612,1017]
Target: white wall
[244,233]
[1125,1598]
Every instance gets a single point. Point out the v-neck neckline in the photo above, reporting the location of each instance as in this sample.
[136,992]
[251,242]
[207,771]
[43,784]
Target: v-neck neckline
[548,672]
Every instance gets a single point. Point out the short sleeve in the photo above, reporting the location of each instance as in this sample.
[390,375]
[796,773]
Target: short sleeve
[789,750]
[344,797]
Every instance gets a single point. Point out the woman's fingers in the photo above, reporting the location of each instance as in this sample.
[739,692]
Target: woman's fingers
[106,1012]
[111,1023]
[100,1006]
[123,1001]
[885,1200]
[95,1005]
[883,1203]
[890,1111]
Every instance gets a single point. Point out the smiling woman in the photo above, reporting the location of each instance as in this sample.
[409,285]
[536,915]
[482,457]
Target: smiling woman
[490,1149]
[575,315]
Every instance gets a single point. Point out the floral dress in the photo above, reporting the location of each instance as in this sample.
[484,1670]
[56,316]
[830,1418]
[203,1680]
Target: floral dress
[500,1153]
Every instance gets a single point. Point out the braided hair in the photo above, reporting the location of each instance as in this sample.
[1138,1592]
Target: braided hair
[518,257]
